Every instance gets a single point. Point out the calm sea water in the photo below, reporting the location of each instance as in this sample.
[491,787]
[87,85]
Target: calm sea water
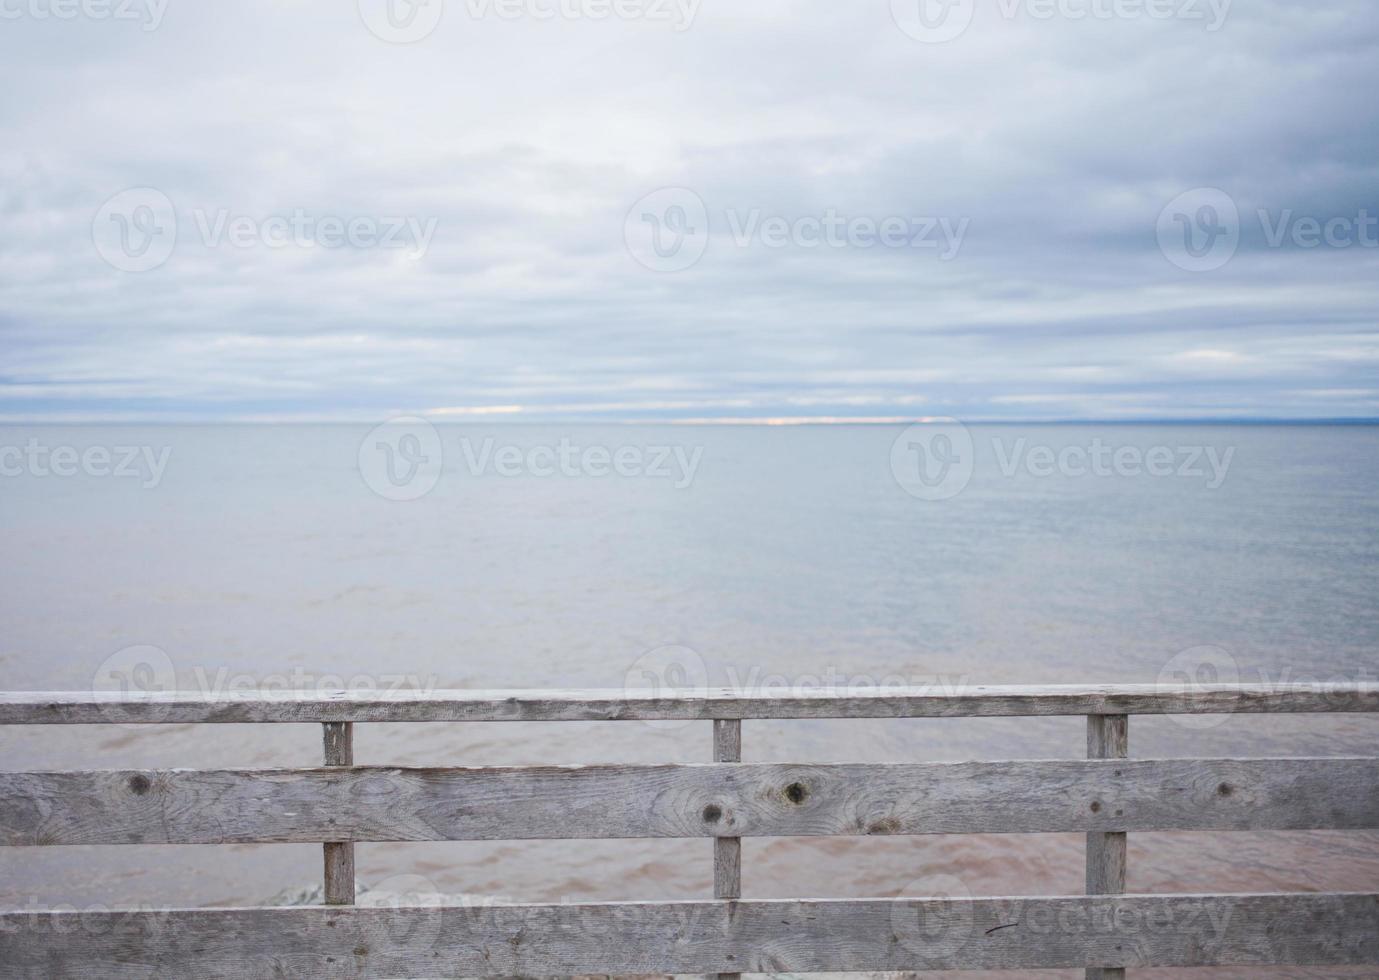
[234,556]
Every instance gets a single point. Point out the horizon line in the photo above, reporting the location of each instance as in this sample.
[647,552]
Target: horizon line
[704,421]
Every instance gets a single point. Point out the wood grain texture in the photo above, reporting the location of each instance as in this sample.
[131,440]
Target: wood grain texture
[338,739]
[368,803]
[87,707]
[727,851]
[337,743]
[346,943]
[1108,737]
[727,855]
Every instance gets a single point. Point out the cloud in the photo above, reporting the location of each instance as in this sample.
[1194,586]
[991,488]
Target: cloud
[527,141]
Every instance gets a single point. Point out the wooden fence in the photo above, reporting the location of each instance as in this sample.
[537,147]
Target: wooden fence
[1106,796]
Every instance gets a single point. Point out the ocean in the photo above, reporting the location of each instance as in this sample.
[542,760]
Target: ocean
[533,556]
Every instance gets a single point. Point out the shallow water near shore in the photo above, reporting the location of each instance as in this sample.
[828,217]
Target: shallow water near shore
[745,556]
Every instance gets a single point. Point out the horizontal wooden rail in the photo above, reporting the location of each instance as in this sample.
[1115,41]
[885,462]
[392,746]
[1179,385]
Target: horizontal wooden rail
[180,707]
[710,800]
[330,943]
[1106,796]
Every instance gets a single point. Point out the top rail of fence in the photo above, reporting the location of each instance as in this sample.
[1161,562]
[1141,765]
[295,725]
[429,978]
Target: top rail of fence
[276,706]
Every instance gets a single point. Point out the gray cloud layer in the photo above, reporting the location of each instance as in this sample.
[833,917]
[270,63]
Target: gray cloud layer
[1058,141]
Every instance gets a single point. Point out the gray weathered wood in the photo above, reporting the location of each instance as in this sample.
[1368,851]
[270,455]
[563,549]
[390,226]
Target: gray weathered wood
[727,855]
[1108,737]
[336,943]
[101,707]
[371,803]
[339,855]
[727,851]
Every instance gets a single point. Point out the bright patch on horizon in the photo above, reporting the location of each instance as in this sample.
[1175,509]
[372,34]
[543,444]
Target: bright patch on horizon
[478,410]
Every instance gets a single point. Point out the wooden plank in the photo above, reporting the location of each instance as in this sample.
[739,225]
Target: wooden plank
[367,803]
[1108,737]
[727,851]
[339,856]
[101,707]
[332,943]
[727,863]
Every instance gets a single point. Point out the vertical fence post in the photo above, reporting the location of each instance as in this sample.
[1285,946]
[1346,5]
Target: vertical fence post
[727,851]
[339,747]
[1108,737]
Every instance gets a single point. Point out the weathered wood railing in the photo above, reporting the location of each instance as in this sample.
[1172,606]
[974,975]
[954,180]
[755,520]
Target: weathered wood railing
[1106,796]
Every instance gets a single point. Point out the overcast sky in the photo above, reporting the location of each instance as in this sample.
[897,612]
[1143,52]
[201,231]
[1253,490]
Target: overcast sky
[1010,236]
